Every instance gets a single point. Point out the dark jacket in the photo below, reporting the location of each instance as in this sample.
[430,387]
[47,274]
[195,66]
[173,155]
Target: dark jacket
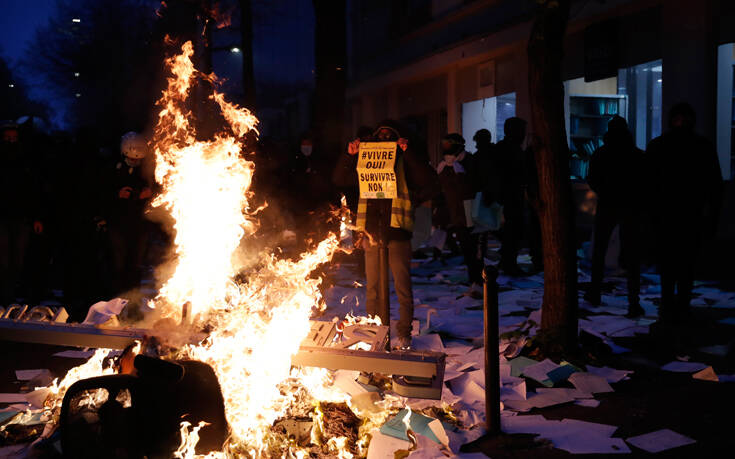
[130,210]
[615,172]
[686,182]
[307,182]
[20,198]
[488,177]
[513,174]
[458,187]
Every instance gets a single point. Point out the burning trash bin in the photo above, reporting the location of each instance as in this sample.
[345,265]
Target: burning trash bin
[139,414]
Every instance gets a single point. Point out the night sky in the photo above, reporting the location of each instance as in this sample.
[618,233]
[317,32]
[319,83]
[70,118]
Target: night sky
[283,46]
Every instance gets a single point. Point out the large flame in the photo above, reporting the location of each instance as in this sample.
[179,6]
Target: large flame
[256,327]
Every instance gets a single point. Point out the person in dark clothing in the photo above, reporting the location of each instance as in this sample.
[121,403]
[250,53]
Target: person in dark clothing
[488,177]
[511,162]
[309,186]
[614,177]
[19,211]
[488,170]
[130,194]
[389,222]
[456,176]
[686,188]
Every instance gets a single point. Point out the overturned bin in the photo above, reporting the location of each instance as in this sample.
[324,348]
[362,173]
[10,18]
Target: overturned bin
[140,414]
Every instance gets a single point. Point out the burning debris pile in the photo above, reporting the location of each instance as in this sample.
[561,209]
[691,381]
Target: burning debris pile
[240,336]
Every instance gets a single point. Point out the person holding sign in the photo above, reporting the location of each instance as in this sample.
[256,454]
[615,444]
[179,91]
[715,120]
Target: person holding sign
[391,178]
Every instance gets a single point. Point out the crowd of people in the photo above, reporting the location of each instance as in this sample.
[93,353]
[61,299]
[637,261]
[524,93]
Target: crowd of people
[84,210]
[72,217]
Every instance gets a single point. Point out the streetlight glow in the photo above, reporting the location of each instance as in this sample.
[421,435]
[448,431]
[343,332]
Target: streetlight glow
[76,74]
[78,94]
[235,49]
[11,85]
[77,20]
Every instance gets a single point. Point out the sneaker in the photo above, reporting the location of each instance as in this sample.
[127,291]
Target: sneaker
[404,343]
[635,310]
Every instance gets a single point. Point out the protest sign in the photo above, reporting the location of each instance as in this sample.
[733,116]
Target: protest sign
[375,170]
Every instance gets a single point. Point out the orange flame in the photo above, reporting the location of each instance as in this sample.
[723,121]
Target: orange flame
[255,327]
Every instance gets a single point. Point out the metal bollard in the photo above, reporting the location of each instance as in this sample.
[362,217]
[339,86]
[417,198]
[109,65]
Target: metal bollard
[492,359]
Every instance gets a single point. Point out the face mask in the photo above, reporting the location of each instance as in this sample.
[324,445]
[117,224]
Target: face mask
[132,162]
[450,159]
[306,150]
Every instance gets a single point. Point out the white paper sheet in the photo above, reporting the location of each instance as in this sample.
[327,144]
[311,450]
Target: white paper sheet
[587,382]
[589,403]
[27,375]
[540,371]
[660,440]
[71,354]
[610,374]
[384,446]
[12,398]
[683,367]
[549,398]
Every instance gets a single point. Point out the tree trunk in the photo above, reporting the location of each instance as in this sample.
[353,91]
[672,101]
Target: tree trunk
[246,50]
[330,55]
[556,210]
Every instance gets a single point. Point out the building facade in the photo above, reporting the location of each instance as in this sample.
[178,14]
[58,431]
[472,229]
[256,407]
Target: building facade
[460,65]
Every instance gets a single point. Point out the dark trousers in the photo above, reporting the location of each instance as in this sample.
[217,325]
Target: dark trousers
[606,219]
[14,237]
[87,273]
[511,235]
[399,261]
[678,250]
[128,245]
[470,252]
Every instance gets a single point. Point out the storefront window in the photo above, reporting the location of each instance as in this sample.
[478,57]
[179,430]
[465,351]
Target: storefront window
[643,85]
[489,114]
[726,109]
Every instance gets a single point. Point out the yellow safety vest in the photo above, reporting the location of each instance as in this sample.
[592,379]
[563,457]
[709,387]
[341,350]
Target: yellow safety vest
[401,215]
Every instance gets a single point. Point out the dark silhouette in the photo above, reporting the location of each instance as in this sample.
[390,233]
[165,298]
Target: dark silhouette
[129,193]
[389,222]
[517,177]
[487,177]
[20,208]
[457,178]
[80,224]
[615,178]
[687,190]
[310,190]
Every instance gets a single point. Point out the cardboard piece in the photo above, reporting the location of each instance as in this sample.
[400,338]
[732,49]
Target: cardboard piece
[708,374]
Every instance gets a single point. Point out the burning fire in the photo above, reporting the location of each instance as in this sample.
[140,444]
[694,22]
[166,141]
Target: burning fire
[256,326]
